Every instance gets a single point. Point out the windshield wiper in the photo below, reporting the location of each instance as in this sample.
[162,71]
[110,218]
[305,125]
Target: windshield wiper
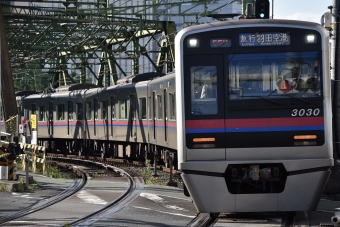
[302,100]
[261,97]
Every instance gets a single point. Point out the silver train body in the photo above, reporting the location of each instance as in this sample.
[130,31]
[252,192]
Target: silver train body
[132,119]
[262,140]
[247,115]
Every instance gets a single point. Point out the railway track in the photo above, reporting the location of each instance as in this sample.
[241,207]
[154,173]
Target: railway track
[76,186]
[136,186]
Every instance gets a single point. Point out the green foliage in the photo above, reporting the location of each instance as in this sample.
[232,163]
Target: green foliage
[149,179]
[52,171]
[19,162]
[66,224]
[3,187]
[11,126]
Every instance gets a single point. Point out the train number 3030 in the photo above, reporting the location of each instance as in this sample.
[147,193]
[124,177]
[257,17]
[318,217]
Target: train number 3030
[305,112]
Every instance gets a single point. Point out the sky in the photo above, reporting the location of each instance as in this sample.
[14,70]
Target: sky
[307,10]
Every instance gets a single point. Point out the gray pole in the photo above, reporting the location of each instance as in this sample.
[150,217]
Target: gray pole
[333,184]
[27,158]
[333,38]
[272,9]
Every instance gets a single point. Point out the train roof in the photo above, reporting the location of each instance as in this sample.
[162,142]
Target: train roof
[25,93]
[139,77]
[250,23]
[74,87]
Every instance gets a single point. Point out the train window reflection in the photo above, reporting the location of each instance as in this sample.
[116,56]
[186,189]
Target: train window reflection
[79,111]
[203,90]
[122,109]
[172,101]
[60,112]
[274,75]
[42,113]
[159,105]
[89,111]
[142,108]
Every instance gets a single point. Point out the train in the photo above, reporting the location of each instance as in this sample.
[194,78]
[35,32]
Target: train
[246,116]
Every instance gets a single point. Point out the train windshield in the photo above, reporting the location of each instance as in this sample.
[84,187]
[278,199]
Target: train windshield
[275,75]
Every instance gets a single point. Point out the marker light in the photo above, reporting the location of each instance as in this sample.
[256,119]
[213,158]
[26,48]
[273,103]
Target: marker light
[305,137]
[193,43]
[310,39]
[199,140]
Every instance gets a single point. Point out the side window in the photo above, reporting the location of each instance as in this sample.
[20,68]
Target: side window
[113,116]
[26,111]
[79,111]
[122,109]
[142,108]
[159,107]
[172,112]
[42,113]
[203,90]
[103,107]
[70,110]
[60,112]
[89,111]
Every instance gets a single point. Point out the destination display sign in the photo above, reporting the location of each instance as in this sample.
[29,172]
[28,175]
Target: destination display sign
[220,43]
[264,39]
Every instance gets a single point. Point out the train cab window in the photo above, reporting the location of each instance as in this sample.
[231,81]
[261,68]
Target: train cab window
[159,107]
[42,113]
[79,107]
[142,108]
[89,111]
[274,75]
[103,107]
[122,109]
[203,90]
[70,110]
[172,102]
[60,112]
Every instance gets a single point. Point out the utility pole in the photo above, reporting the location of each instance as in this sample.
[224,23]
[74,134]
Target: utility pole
[333,184]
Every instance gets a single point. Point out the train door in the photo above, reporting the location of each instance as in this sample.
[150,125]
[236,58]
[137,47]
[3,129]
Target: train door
[113,117]
[165,109]
[95,110]
[154,114]
[69,117]
[132,116]
[204,107]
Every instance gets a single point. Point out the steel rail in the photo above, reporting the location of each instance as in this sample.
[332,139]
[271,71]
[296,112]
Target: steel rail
[76,186]
[136,186]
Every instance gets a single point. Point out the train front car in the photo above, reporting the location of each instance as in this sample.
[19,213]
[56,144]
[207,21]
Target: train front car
[254,121]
